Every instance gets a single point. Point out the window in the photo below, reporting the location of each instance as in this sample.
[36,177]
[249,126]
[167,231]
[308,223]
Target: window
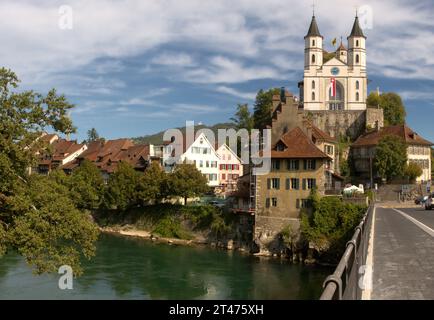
[275,165]
[311,183]
[267,202]
[309,164]
[295,184]
[207,164]
[357,96]
[201,163]
[213,164]
[313,43]
[328,149]
[313,84]
[313,58]
[293,165]
[273,183]
[302,203]
[305,203]
[357,43]
[357,58]
[224,176]
[357,85]
[313,96]
[274,202]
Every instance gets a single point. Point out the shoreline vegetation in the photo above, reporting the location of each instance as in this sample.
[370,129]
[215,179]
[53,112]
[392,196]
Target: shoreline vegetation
[180,225]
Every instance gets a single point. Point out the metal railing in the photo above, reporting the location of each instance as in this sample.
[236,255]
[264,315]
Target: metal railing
[343,284]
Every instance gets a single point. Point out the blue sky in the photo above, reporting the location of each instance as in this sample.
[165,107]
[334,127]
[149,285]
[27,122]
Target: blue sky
[138,67]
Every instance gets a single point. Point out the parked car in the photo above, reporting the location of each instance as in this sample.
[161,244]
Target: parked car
[420,200]
[429,205]
[217,204]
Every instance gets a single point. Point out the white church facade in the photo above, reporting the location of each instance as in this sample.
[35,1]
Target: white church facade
[334,81]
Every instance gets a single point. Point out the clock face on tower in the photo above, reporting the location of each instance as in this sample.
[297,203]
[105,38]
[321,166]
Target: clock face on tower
[335,71]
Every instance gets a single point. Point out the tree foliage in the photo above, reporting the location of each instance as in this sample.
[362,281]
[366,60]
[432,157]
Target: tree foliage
[87,186]
[330,226]
[243,119]
[391,157]
[413,171]
[37,217]
[263,108]
[392,105]
[123,188]
[187,181]
[92,135]
[153,184]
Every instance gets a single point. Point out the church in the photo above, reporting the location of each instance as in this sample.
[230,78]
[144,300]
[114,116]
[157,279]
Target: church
[337,80]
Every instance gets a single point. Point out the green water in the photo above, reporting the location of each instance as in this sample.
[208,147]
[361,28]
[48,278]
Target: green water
[126,268]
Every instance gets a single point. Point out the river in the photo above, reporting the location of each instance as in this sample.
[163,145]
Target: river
[129,268]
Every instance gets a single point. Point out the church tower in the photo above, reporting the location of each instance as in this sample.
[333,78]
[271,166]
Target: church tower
[358,83]
[336,80]
[313,52]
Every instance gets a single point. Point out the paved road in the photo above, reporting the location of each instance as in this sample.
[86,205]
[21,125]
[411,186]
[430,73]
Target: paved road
[403,255]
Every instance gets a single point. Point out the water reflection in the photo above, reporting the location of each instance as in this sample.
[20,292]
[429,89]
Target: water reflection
[126,268]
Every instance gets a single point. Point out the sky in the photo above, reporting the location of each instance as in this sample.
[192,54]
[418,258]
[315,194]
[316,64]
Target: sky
[135,67]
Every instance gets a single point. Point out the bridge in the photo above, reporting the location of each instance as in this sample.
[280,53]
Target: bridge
[390,257]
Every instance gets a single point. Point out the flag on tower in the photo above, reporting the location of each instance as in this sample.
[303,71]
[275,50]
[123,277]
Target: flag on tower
[333,86]
[334,41]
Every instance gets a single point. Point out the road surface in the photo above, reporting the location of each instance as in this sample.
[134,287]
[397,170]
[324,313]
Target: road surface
[403,254]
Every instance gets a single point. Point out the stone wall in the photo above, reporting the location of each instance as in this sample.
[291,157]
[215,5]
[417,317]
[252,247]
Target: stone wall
[346,122]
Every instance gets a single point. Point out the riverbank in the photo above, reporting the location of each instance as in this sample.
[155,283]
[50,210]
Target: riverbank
[180,225]
[197,241]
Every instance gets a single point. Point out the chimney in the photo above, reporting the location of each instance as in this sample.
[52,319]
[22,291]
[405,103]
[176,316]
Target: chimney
[377,126]
[282,95]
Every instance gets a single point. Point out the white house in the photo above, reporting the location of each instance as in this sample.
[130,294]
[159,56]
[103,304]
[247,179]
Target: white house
[201,153]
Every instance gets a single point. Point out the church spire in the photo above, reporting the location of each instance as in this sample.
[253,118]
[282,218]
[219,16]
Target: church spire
[357,31]
[313,29]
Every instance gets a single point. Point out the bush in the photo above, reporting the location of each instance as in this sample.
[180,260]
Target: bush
[330,226]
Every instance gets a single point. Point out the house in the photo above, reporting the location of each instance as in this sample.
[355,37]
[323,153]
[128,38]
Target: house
[230,168]
[364,148]
[58,153]
[199,152]
[297,167]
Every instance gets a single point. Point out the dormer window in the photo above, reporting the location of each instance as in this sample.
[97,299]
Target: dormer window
[280,147]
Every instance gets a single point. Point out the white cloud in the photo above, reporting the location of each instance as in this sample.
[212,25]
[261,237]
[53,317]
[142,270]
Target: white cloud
[236,93]
[224,70]
[174,59]
[249,39]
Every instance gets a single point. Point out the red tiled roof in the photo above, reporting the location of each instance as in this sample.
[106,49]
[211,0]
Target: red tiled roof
[408,135]
[297,145]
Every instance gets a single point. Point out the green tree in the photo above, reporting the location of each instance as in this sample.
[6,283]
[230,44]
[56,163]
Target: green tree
[392,105]
[87,186]
[187,181]
[37,217]
[153,184]
[391,157]
[92,135]
[123,188]
[330,226]
[263,108]
[413,171]
[243,118]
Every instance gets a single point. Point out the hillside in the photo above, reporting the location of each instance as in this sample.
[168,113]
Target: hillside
[158,137]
